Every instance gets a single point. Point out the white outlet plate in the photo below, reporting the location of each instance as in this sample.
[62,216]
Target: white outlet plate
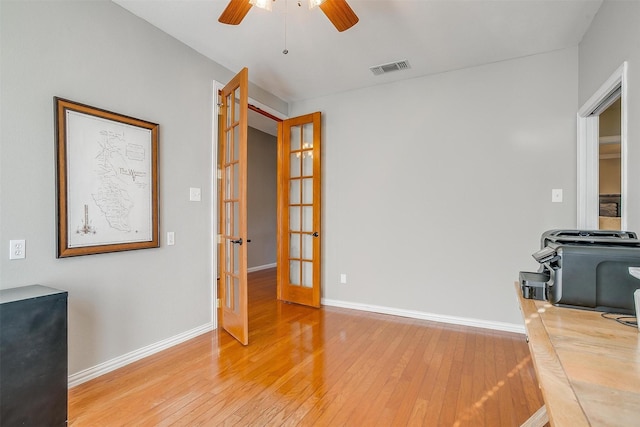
[195,194]
[171,238]
[556,195]
[343,278]
[17,249]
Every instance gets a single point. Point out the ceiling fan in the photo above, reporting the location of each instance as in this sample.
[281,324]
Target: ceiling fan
[338,11]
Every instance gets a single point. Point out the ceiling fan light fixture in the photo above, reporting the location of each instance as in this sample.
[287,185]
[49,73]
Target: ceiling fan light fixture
[314,3]
[337,11]
[262,4]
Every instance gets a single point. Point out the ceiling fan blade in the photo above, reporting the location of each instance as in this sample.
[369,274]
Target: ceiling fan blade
[235,12]
[340,14]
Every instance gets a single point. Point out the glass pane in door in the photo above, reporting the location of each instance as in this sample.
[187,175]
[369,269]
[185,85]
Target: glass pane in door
[307,274]
[236,294]
[294,191]
[307,246]
[294,138]
[307,161]
[295,165]
[294,248]
[294,218]
[294,273]
[307,191]
[307,219]
[307,135]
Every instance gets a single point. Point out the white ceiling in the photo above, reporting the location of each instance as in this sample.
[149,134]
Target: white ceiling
[433,35]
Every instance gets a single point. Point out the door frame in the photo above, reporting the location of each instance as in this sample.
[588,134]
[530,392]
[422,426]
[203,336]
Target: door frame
[213,180]
[588,151]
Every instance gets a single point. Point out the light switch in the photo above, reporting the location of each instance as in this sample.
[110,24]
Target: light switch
[556,195]
[194,194]
[171,238]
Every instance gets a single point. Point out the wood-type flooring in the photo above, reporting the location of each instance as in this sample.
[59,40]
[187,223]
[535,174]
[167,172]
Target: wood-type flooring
[320,367]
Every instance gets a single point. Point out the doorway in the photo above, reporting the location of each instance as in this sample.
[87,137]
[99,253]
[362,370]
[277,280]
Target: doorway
[298,212]
[610,168]
[262,227]
[590,150]
[267,118]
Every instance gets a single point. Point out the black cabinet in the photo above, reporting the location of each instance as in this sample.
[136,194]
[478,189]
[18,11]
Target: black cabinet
[33,357]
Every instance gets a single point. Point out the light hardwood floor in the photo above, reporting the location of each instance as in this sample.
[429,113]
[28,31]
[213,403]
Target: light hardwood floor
[320,367]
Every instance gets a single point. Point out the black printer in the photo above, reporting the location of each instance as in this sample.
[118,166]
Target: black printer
[586,269]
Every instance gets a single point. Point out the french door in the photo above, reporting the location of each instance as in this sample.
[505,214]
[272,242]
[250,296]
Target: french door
[299,189]
[233,208]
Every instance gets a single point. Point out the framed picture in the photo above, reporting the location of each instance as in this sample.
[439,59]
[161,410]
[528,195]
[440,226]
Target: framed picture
[107,181]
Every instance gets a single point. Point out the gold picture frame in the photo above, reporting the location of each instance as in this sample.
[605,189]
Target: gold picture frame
[107,181]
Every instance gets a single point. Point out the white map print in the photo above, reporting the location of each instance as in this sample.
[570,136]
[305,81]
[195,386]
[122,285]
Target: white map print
[108,185]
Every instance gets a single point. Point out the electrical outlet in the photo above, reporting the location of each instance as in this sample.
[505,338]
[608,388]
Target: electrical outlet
[195,194]
[17,249]
[343,278]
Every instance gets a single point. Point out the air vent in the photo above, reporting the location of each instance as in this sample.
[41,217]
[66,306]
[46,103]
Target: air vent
[391,66]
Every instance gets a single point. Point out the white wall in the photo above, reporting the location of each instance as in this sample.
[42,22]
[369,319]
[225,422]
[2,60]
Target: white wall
[99,54]
[436,189]
[612,39]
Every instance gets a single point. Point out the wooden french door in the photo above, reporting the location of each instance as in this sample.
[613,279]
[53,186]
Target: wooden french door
[233,208]
[299,233]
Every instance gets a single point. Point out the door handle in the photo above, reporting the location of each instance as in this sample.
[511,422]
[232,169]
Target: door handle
[239,241]
[315,234]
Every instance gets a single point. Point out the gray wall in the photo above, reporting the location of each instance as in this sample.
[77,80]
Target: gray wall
[436,189]
[99,54]
[611,40]
[261,198]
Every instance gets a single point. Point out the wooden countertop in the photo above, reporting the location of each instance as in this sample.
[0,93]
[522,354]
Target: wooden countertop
[588,367]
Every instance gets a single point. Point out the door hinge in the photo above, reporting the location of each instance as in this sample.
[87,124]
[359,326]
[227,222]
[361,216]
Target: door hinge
[219,173]
[218,303]
[219,238]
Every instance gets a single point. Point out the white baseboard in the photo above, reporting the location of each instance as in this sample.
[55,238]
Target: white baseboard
[476,323]
[261,267]
[113,364]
